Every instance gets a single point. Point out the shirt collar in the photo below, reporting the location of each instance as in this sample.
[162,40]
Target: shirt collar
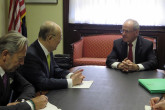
[2,72]
[134,42]
[44,49]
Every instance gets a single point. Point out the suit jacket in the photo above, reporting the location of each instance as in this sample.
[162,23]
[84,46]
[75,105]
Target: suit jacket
[36,71]
[21,88]
[144,53]
[19,106]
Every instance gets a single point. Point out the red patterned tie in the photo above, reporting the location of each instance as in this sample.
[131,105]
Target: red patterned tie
[130,54]
[5,80]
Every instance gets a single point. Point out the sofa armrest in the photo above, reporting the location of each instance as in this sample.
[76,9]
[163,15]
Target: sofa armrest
[77,49]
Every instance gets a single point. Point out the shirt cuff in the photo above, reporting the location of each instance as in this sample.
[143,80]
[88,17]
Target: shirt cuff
[30,104]
[68,76]
[69,83]
[141,67]
[114,65]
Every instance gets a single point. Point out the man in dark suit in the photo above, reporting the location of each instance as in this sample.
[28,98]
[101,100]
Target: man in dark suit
[132,52]
[13,86]
[43,72]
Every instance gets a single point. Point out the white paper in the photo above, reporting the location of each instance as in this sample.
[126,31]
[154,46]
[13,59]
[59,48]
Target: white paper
[147,107]
[84,84]
[50,106]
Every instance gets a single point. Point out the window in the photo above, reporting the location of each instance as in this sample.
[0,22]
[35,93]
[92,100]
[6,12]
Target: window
[115,12]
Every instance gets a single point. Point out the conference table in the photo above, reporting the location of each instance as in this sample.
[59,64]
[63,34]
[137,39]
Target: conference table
[111,90]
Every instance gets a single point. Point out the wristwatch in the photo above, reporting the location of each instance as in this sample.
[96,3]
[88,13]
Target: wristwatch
[20,100]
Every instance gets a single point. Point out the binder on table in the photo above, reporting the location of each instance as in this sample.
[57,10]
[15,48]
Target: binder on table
[153,85]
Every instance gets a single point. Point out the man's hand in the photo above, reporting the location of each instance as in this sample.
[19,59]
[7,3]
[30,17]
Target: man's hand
[127,65]
[40,101]
[77,77]
[157,104]
[153,101]
[130,66]
[41,93]
[13,103]
[120,66]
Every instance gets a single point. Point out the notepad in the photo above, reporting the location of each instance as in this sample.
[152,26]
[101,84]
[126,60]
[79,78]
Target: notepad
[153,85]
[147,107]
[50,106]
[84,84]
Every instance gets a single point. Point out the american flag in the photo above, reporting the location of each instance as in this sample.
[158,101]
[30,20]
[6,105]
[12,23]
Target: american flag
[17,12]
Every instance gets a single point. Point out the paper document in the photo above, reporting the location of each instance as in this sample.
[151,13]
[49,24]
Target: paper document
[147,107]
[84,84]
[50,106]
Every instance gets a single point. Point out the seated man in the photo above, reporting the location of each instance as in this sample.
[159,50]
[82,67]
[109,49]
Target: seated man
[13,48]
[132,52]
[40,68]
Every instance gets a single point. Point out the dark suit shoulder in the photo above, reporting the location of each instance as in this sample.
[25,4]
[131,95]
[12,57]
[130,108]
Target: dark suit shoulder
[144,43]
[118,40]
[34,51]
[20,106]
[34,48]
[143,40]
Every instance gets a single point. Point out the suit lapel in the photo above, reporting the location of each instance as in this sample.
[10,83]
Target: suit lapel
[42,55]
[124,50]
[5,93]
[138,49]
[2,87]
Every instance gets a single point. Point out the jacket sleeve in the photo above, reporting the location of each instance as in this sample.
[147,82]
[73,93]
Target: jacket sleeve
[22,88]
[113,56]
[19,106]
[58,72]
[150,61]
[35,71]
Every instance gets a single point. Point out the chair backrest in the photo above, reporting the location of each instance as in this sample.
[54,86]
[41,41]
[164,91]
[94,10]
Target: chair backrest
[152,39]
[98,46]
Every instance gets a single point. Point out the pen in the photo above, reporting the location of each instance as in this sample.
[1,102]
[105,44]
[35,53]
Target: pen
[160,98]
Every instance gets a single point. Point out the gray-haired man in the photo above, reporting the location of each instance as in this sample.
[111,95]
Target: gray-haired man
[13,47]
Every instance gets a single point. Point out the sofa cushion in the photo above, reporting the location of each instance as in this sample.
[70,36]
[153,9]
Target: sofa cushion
[89,61]
[98,46]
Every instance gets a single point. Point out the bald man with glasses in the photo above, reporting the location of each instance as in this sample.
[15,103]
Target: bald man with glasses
[132,52]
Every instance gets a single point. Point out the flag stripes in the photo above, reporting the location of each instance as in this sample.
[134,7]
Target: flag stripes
[17,12]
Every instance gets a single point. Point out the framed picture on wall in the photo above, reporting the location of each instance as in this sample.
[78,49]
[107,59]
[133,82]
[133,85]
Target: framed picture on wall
[41,1]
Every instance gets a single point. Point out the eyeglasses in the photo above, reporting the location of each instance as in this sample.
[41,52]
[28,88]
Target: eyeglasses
[126,31]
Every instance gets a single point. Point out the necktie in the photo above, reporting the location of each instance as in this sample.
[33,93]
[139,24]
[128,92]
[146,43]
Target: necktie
[5,80]
[48,60]
[130,54]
